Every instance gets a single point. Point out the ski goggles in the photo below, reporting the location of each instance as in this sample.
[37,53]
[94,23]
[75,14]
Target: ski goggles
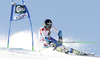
[48,26]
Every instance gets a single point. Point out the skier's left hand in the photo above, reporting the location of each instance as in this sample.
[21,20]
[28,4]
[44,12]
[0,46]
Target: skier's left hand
[59,42]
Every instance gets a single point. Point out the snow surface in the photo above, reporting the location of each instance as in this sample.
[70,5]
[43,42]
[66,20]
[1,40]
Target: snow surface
[20,48]
[18,53]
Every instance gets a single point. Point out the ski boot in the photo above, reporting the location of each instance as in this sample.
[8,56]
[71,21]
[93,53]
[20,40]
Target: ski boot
[62,50]
[73,51]
[76,52]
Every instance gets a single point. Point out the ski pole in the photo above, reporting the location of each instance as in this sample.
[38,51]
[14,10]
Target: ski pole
[79,42]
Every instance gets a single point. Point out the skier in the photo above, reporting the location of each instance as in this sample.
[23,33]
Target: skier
[48,41]
[44,34]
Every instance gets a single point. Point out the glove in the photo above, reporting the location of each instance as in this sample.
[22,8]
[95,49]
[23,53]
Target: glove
[59,41]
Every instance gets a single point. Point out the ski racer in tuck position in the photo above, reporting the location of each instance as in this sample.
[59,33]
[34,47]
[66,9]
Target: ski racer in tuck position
[48,41]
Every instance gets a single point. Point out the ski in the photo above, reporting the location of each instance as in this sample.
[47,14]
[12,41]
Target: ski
[88,54]
[62,49]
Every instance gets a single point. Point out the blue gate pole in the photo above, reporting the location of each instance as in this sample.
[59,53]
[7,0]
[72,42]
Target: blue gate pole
[10,24]
[31,27]
[9,35]
[32,34]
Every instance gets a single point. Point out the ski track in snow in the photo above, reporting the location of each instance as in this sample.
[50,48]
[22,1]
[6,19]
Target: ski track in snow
[19,53]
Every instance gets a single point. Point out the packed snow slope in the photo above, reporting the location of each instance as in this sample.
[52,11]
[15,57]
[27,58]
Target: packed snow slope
[18,53]
[20,48]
